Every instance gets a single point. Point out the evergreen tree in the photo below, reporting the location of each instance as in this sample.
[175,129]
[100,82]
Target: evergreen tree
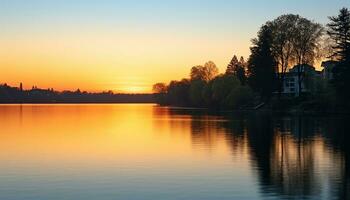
[262,65]
[237,68]
[231,66]
[339,32]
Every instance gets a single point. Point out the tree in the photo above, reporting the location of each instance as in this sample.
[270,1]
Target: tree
[261,64]
[195,92]
[239,96]
[231,66]
[221,88]
[178,92]
[197,73]
[339,32]
[207,94]
[295,41]
[210,71]
[237,68]
[205,73]
[306,46]
[283,30]
[240,71]
[159,88]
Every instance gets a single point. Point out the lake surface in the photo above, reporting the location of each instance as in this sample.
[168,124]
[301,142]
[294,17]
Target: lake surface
[141,151]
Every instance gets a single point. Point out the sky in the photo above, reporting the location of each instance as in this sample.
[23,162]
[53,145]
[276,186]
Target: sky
[128,45]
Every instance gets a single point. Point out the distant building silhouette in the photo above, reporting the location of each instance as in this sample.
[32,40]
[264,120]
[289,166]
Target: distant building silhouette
[10,94]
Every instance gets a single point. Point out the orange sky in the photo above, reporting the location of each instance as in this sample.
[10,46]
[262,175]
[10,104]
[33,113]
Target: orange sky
[128,46]
[107,60]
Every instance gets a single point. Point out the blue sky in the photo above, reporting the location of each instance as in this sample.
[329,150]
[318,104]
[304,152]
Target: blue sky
[164,12]
[166,9]
[238,18]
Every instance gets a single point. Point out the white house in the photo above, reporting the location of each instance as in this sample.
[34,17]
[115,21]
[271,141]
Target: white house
[291,80]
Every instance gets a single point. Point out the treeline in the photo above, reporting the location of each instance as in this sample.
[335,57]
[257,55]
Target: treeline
[10,94]
[207,88]
[289,41]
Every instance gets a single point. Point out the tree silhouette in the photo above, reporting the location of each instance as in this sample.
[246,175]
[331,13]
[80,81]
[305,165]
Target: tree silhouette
[159,88]
[211,71]
[197,73]
[262,65]
[231,66]
[295,41]
[196,92]
[205,73]
[306,46]
[178,92]
[283,31]
[237,68]
[339,32]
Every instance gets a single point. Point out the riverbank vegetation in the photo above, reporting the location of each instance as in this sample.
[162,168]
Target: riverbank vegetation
[279,72]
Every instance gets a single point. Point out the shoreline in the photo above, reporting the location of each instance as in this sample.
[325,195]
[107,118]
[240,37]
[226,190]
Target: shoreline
[191,108]
[272,111]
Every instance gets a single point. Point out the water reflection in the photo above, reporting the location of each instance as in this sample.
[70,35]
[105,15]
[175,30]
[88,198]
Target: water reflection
[293,156]
[285,157]
[150,152]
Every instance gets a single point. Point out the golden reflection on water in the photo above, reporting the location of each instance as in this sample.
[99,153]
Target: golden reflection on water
[98,133]
[235,156]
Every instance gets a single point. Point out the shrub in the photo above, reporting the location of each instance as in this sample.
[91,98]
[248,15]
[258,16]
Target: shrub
[239,97]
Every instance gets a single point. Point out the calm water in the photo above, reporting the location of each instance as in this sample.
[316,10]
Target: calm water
[132,152]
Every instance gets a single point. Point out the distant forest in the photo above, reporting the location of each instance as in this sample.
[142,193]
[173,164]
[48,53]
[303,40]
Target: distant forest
[10,94]
[279,72]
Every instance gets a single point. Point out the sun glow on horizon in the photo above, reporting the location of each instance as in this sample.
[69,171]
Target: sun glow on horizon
[134,90]
[127,47]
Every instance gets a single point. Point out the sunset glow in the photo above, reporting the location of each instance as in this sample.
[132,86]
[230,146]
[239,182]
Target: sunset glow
[128,46]
[174,99]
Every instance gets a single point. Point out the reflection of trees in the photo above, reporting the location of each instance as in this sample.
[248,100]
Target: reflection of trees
[208,130]
[293,156]
[287,153]
[293,160]
[235,133]
[292,166]
[260,137]
[337,133]
[284,160]
[204,131]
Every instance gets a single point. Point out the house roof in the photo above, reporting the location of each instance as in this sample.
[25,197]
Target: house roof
[304,67]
